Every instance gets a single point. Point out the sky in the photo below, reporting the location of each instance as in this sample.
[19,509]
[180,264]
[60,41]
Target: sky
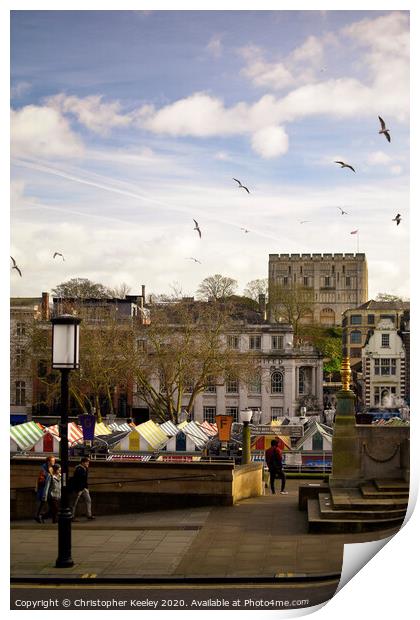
[127,125]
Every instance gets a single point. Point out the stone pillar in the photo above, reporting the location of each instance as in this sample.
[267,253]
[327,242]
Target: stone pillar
[289,389]
[346,464]
[265,396]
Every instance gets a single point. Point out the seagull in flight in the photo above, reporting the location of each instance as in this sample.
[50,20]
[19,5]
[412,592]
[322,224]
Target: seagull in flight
[384,130]
[16,267]
[245,230]
[397,219]
[194,259]
[344,165]
[197,228]
[304,222]
[243,186]
[342,211]
[58,254]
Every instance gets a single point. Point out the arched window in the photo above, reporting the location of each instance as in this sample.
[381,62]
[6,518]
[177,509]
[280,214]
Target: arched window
[356,337]
[277,382]
[20,393]
[327,316]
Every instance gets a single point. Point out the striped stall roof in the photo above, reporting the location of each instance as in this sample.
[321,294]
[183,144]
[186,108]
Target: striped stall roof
[310,432]
[196,434]
[75,433]
[26,435]
[182,424]
[101,429]
[169,428]
[152,433]
[120,426]
[208,428]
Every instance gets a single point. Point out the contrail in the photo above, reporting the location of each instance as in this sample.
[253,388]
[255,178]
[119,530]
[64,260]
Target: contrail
[135,195]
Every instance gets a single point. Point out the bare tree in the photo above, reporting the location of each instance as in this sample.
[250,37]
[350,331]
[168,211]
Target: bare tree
[181,353]
[255,288]
[82,288]
[217,287]
[120,291]
[292,304]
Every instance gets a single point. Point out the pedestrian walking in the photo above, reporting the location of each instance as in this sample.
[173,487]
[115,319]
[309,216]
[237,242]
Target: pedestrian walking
[41,503]
[52,491]
[273,458]
[80,487]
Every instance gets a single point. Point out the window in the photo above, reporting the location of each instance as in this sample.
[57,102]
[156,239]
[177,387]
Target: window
[255,385]
[20,393]
[255,342]
[188,386]
[285,280]
[383,395]
[356,319]
[232,386]
[20,357]
[277,342]
[348,281]
[233,342]
[385,341]
[211,386]
[20,329]
[303,381]
[276,413]
[232,411]
[371,319]
[305,281]
[277,382]
[385,366]
[355,337]
[209,414]
[391,317]
[327,281]
[42,368]
[355,352]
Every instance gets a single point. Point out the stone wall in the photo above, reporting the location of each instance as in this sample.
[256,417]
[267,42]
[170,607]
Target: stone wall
[130,487]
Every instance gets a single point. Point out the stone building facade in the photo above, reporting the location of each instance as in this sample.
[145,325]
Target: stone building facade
[337,282]
[384,366]
[287,378]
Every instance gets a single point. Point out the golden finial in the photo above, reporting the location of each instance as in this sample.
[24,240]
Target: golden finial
[345,373]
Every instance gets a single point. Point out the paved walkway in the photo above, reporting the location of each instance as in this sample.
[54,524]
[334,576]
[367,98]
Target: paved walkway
[260,537]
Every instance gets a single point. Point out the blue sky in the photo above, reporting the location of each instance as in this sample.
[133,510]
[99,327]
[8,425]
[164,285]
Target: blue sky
[128,124]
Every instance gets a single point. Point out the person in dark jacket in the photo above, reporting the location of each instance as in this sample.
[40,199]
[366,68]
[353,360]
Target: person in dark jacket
[80,487]
[274,460]
[52,491]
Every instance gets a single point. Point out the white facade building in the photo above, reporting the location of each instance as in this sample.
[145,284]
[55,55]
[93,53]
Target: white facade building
[383,365]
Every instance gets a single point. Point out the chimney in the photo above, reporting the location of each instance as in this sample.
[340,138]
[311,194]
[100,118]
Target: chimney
[262,305]
[45,307]
[143,293]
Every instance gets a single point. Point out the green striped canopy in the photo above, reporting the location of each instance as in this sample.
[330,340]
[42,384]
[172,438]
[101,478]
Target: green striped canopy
[26,435]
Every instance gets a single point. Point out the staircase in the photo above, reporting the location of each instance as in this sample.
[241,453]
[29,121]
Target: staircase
[376,505]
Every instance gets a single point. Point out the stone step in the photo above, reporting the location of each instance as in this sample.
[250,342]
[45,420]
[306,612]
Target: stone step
[352,499]
[319,524]
[391,485]
[328,511]
[371,491]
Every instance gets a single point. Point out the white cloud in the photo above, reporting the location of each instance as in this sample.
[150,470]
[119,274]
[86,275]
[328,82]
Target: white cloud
[311,51]
[91,111]
[42,132]
[214,47]
[270,142]
[377,158]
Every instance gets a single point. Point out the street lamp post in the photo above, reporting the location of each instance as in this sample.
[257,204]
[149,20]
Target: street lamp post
[65,357]
[246,416]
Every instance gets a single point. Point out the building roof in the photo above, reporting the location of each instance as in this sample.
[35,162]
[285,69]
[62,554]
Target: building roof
[383,305]
[25,301]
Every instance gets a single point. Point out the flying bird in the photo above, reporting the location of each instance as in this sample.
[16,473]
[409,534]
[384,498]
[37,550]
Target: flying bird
[245,230]
[194,259]
[197,227]
[342,211]
[243,186]
[304,221]
[384,130]
[58,254]
[344,165]
[397,219]
[16,267]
